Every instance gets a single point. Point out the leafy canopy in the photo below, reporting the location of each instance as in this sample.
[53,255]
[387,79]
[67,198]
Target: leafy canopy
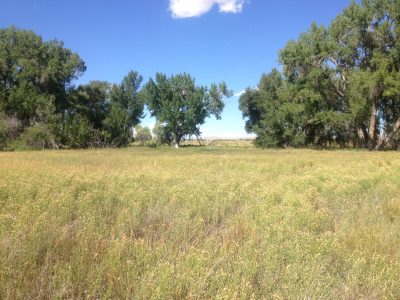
[38,100]
[340,84]
[181,106]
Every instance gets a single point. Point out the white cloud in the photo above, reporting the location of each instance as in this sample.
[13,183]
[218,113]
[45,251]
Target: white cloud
[230,6]
[196,8]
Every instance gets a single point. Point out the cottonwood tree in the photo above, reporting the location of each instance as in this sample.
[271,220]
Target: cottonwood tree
[369,36]
[102,114]
[35,75]
[340,84]
[270,113]
[181,106]
[124,110]
[39,101]
[82,124]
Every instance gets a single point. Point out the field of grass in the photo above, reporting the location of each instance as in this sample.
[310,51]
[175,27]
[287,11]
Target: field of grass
[208,222]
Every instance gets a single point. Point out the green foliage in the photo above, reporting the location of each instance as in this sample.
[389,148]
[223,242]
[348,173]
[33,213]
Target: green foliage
[181,106]
[77,132]
[161,135]
[115,127]
[36,137]
[128,97]
[277,121]
[92,101]
[123,110]
[34,72]
[339,84]
[36,79]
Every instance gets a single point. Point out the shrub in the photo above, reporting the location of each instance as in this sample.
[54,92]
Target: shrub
[36,137]
[10,129]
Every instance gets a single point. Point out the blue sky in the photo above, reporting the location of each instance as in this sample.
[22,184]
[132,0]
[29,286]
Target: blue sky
[213,40]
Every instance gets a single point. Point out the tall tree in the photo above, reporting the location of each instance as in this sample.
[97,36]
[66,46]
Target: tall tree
[35,75]
[125,110]
[38,99]
[182,106]
[342,80]
[81,125]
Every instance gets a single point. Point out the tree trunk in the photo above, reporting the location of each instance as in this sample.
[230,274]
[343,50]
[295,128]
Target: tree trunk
[372,127]
[389,136]
[175,141]
[199,139]
[362,136]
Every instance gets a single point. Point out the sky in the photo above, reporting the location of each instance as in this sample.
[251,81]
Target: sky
[235,41]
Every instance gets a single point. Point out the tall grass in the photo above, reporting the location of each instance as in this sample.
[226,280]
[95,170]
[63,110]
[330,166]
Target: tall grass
[199,223]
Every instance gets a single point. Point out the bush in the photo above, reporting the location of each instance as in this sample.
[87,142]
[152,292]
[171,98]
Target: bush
[10,129]
[35,138]
[77,132]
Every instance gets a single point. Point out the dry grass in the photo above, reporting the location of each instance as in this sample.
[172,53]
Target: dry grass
[199,223]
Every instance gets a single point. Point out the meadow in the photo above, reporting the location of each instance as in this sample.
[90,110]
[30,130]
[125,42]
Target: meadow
[199,222]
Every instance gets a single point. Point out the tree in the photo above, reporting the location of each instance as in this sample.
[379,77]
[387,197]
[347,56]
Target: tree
[318,86]
[270,114]
[81,125]
[181,106]
[340,84]
[92,101]
[34,75]
[37,94]
[367,46]
[103,114]
[124,111]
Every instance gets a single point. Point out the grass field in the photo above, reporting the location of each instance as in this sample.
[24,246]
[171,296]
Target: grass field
[208,222]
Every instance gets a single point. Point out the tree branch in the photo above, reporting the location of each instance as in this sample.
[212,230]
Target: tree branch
[390,136]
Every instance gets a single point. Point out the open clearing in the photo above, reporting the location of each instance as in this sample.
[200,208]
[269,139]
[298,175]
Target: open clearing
[199,223]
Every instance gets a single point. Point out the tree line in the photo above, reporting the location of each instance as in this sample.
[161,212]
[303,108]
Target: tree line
[40,107]
[339,85]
